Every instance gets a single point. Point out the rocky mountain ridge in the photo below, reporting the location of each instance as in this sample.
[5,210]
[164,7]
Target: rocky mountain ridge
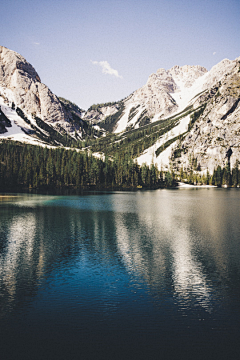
[21,87]
[215,137]
[165,93]
[185,117]
[201,109]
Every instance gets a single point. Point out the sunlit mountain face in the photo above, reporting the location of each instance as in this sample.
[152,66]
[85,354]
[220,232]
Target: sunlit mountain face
[184,117]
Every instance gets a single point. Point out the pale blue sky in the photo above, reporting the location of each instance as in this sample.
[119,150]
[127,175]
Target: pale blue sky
[64,40]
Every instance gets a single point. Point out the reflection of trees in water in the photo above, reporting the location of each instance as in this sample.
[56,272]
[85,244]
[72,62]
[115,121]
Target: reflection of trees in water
[16,256]
[169,240]
[179,244]
[162,254]
[36,240]
[33,241]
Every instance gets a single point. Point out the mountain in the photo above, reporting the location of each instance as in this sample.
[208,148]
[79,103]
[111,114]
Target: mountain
[201,109]
[215,137]
[185,118]
[36,113]
[165,93]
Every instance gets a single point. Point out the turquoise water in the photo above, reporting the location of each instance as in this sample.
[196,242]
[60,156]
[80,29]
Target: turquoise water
[122,275]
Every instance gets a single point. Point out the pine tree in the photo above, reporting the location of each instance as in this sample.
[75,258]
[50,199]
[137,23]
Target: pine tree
[235,174]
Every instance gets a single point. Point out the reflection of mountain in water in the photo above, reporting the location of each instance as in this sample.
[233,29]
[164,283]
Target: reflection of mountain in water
[181,243]
[39,237]
[31,243]
[176,242]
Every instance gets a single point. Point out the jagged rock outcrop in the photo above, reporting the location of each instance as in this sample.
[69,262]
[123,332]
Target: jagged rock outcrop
[4,123]
[152,102]
[196,114]
[187,74]
[97,113]
[165,93]
[215,137]
[157,94]
[20,84]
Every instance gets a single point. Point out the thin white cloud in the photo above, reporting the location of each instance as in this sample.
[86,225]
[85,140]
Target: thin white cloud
[36,43]
[106,68]
[214,53]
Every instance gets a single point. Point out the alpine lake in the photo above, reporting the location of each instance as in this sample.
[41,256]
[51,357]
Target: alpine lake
[120,275]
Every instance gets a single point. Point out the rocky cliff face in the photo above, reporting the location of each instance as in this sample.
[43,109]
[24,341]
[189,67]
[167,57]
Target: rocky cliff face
[215,137]
[210,129]
[157,95]
[196,114]
[20,85]
[155,100]
[166,92]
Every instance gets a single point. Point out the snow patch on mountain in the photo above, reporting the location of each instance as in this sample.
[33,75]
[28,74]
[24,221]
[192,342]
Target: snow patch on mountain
[162,160]
[126,121]
[184,94]
[16,132]
[21,84]
[168,92]
[122,125]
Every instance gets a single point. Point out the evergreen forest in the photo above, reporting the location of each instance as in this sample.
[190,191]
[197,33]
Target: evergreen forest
[25,166]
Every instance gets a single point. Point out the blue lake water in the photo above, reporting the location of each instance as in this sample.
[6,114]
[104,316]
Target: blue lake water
[122,275]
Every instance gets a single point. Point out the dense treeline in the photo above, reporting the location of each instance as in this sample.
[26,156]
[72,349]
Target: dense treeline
[99,106]
[195,116]
[28,166]
[25,166]
[220,177]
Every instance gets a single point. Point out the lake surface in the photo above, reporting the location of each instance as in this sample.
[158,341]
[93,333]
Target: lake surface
[122,275]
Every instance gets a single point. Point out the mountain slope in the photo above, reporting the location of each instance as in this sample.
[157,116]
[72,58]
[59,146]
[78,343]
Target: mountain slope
[198,123]
[215,136]
[185,117]
[21,87]
[166,92]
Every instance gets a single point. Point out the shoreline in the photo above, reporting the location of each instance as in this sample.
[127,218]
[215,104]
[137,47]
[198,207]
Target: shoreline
[8,196]
[185,185]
